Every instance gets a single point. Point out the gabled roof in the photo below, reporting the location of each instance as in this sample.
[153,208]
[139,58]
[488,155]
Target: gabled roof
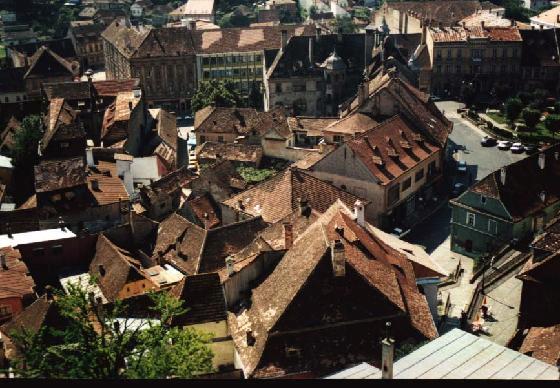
[41,312]
[166,126]
[204,299]
[195,7]
[41,61]
[415,104]
[240,121]
[278,196]
[51,175]
[379,265]
[193,249]
[15,280]
[62,123]
[524,183]
[114,267]
[204,210]
[235,152]
[81,91]
[124,37]
[117,115]
[169,184]
[392,148]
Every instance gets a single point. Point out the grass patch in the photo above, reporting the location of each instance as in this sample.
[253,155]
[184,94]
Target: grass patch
[497,117]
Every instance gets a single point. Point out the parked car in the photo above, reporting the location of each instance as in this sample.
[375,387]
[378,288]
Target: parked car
[461,167]
[435,98]
[504,144]
[517,148]
[530,148]
[488,141]
[458,189]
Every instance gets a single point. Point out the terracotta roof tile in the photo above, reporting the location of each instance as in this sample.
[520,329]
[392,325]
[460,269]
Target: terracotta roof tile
[391,149]
[462,34]
[111,188]
[543,343]
[278,196]
[205,211]
[204,298]
[15,280]
[235,152]
[51,175]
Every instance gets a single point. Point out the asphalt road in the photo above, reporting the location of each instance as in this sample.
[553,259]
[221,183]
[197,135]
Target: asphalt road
[481,161]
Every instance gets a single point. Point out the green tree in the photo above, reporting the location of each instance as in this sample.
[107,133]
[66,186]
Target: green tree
[513,108]
[312,11]
[25,153]
[345,25]
[531,117]
[217,93]
[557,107]
[96,342]
[552,123]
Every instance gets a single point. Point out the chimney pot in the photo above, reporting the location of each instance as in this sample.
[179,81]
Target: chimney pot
[359,213]
[288,235]
[229,265]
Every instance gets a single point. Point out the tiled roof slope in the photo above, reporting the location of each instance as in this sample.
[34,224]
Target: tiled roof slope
[524,182]
[278,196]
[59,174]
[15,281]
[415,104]
[382,267]
[444,11]
[543,343]
[231,151]
[204,299]
[463,34]
[392,148]
[111,187]
[62,123]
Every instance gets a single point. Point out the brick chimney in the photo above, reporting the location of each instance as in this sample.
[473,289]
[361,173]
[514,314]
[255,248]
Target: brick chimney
[387,354]
[288,235]
[338,257]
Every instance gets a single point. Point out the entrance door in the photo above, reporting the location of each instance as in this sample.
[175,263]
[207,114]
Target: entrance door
[468,245]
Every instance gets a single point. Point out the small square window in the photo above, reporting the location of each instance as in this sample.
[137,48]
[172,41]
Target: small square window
[406,184]
[470,219]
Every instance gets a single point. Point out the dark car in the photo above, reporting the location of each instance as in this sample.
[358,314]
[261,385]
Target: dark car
[530,149]
[488,141]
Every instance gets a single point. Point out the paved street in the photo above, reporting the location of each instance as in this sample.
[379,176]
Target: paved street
[434,232]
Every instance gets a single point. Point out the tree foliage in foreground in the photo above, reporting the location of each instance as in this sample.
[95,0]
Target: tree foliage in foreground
[26,140]
[96,342]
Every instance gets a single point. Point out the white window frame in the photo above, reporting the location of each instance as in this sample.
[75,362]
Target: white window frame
[473,219]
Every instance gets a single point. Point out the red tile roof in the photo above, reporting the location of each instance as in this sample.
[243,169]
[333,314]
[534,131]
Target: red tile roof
[111,188]
[543,343]
[463,34]
[392,148]
[15,280]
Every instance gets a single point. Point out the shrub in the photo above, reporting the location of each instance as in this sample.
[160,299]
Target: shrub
[513,108]
[531,117]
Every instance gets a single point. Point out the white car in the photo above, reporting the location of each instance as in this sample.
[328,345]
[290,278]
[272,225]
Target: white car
[504,145]
[517,148]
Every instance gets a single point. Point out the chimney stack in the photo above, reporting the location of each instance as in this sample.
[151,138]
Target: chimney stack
[303,208]
[288,235]
[89,157]
[424,32]
[359,213]
[229,265]
[240,204]
[542,159]
[512,23]
[61,223]
[284,40]
[9,230]
[362,95]
[387,354]
[541,27]
[338,258]
[3,261]
[192,25]
[317,33]
[503,172]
